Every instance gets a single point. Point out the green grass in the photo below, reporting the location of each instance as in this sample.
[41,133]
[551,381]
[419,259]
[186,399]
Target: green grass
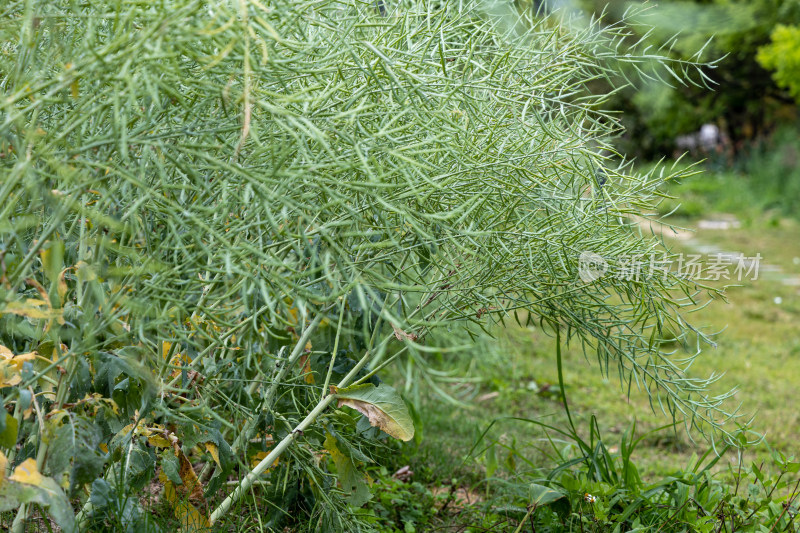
[710,192]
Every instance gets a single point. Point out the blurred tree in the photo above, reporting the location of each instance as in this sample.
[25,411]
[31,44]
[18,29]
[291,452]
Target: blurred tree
[783,56]
[743,99]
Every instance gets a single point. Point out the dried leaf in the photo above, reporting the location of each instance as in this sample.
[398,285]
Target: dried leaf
[308,374]
[39,288]
[402,335]
[383,407]
[183,497]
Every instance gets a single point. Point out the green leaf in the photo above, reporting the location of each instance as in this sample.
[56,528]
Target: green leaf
[171,466]
[792,468]
[75,449]
[8,438]
[101,494]
[352,481]
[384,408]
[557,500]
[541,495]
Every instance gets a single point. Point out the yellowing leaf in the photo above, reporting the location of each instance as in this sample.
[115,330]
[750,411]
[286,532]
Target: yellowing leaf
[190,518]
[157,436]
[214,451]
[62,286]
[30,308]
[84,272]
[159,441]
[11,366]
[182,496]
[3,467]
[124,431]
[28,473]
[258,457]
[383,407]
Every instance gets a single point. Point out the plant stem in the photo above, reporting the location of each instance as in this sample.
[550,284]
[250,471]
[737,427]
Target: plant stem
[265,463]
[333,353]
[285,366]
[531,508]
[276,452]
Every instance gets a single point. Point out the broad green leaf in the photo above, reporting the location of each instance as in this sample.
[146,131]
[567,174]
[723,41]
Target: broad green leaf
[74,450]
[171,466]
[101,494]
[557,500]
[352,481]
[541,495]
[383,407]
[105,501]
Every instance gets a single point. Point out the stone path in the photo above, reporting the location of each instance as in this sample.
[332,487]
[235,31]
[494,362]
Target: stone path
[693,240]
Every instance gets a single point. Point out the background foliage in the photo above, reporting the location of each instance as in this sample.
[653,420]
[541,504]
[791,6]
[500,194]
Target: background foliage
[742,97]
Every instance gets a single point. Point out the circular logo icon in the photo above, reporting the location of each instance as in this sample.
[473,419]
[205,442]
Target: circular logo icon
[591,266]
